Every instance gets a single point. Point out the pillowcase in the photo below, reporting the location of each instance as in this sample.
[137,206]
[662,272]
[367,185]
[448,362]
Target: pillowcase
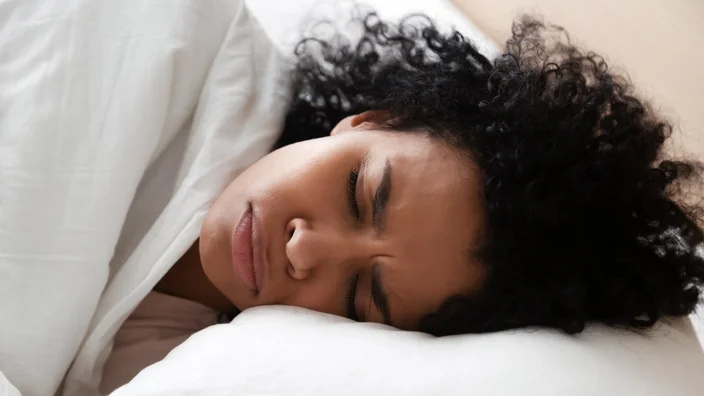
[291,351]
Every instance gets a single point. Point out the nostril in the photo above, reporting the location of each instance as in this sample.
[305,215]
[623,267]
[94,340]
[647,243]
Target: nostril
[291,229]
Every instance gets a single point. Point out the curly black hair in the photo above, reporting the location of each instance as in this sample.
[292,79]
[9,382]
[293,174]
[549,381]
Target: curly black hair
[586,219]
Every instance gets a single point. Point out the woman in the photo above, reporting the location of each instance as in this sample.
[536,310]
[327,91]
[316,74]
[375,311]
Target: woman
[421,185]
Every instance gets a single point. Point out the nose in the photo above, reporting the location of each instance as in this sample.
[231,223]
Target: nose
[308,248]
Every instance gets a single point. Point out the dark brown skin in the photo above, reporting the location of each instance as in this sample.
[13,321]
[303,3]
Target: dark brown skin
[315,246]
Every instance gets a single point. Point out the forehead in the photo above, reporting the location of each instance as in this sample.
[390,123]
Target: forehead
[435,218]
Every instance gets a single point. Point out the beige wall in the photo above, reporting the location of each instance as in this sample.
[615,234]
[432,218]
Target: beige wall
[658,42]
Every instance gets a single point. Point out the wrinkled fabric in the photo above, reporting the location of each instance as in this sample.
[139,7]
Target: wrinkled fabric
[120,122]
[159,324]
[278,350]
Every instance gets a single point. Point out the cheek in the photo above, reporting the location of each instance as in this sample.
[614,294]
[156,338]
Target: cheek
[299,176]
[321,296]
[291,165]
[420,283]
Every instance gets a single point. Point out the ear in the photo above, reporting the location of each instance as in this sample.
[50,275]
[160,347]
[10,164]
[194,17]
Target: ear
[355,122]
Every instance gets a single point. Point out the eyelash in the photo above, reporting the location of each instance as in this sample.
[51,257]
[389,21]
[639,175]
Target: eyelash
[351,297]
[354,209]
[352,193]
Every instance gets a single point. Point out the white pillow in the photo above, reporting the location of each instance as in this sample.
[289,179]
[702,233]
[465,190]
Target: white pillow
[286,21]
[292,351]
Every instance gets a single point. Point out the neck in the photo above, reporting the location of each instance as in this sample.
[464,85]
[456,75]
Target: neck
[187,280]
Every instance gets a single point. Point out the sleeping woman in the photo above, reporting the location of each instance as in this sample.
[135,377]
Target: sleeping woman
[419,184]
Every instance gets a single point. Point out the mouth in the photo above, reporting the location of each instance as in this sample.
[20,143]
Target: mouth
[243,251]
[259,259]
[247,253]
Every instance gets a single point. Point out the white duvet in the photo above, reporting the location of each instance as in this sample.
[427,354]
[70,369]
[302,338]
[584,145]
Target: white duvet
[105,172]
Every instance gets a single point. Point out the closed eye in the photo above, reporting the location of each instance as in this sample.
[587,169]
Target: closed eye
[352,193]
[351,297]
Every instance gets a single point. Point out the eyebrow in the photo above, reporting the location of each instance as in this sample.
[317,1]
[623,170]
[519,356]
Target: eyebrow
[381,199]
[379,296]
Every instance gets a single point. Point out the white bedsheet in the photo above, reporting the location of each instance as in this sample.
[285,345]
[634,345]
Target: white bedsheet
[97,137]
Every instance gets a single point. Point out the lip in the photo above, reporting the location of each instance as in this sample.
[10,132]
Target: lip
[259,259]
[243,251]
[248,260]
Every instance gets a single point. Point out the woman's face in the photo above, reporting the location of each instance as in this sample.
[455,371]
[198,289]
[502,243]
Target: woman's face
[378,226]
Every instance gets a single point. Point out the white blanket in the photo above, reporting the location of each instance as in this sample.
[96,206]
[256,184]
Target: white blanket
[119,122]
